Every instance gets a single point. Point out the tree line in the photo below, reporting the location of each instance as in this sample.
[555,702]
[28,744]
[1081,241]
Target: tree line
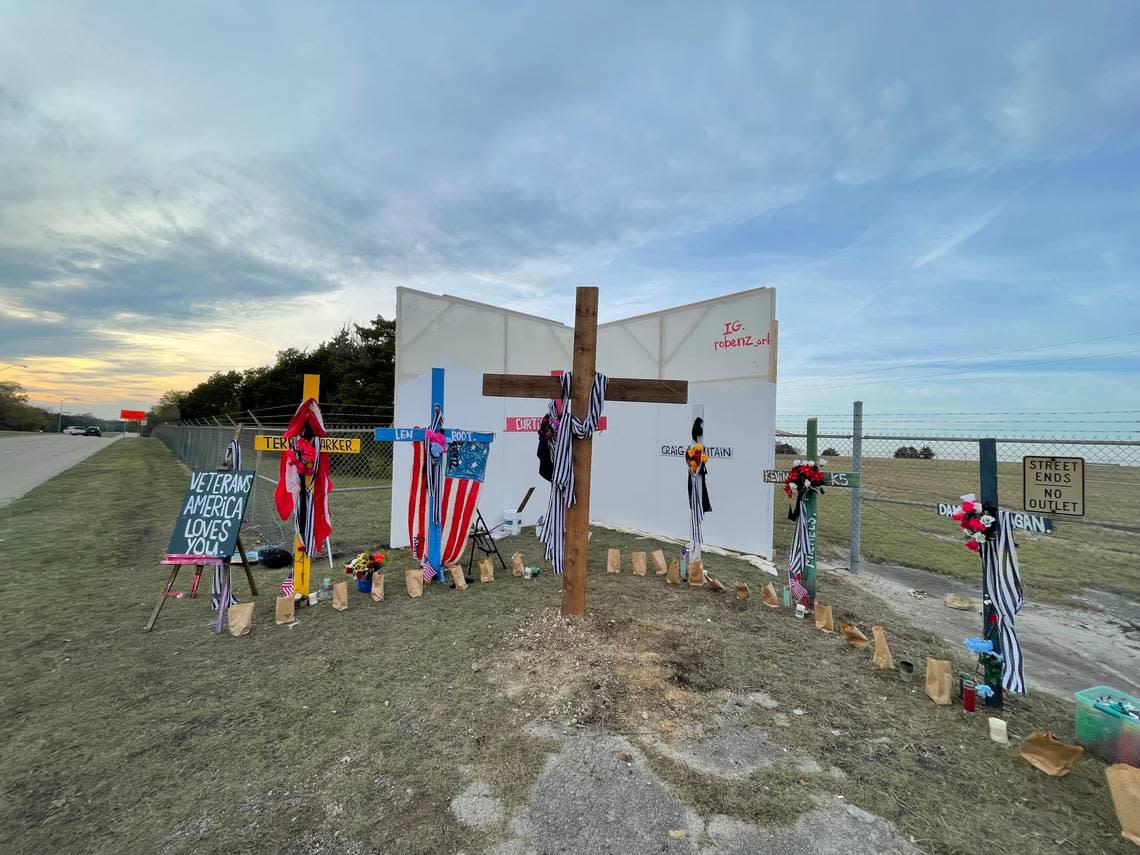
[17,414]
[357,368]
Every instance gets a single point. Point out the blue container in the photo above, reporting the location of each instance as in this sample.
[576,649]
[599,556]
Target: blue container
[1112,737]
[364,585]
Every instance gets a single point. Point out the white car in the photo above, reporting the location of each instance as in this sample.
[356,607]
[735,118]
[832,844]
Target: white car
[74,430]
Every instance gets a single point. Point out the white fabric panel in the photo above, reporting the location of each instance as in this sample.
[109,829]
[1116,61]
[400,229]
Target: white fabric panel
[634,484]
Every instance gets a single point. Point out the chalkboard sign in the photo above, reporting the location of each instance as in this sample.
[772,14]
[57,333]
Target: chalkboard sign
[211,515]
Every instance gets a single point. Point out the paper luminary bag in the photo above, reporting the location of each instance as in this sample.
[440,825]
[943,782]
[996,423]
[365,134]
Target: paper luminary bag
[284,610]
[743,592]
[414,582]
[854,636]
[613,561]
[673,575]
[486,570]
[769,596]
[883,658]
[456,571]
[517,566]
[340,596]
[823,620]
[696,573]
[1044,752]
[239,619]
[714,584]
[938,679]
[659,567]
[637,562]
[1124,783]
[377,587]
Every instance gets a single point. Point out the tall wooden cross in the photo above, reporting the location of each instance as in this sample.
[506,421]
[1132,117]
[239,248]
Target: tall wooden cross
[618,389]
[830,479]
[399,434]
[302,561]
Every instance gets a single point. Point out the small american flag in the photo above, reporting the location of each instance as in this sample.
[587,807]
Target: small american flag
[798,590]
[287,587]
[428,572]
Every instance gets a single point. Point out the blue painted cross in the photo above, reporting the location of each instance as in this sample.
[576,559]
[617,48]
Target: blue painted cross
[417,434]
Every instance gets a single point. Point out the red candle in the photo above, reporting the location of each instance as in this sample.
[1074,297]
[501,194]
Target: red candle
[969,699]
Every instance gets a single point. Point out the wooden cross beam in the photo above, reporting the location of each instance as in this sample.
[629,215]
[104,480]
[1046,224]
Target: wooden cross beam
[618,389]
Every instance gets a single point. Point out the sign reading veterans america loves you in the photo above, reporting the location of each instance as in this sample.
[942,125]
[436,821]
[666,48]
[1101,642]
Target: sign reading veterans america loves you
[210,518]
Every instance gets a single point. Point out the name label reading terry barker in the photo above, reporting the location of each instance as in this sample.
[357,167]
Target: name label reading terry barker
[211,514]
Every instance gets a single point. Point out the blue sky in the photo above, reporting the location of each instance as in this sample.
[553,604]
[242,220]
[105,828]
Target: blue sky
[946,197]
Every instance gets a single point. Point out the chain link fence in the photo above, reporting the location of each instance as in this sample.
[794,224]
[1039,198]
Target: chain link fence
[906,477]
[360,504]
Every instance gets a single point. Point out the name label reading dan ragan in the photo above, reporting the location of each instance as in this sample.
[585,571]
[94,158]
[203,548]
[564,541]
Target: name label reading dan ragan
[714,452]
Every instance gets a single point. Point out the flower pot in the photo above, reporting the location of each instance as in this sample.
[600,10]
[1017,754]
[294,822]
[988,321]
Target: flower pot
[364,585]
[906,670]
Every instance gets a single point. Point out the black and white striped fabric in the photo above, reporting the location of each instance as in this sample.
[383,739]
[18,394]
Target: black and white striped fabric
[798,551]
[1001,579]
[233,461]
[553,530]
[305,518]
[435,472]
[696,511]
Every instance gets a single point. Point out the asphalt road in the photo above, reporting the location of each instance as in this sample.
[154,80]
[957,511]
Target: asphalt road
[29,459]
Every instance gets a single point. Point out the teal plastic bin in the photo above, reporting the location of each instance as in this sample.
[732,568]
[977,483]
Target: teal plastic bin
[1113,738]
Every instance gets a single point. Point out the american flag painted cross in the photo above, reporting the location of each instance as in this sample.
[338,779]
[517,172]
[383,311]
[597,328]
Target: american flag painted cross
[440,506]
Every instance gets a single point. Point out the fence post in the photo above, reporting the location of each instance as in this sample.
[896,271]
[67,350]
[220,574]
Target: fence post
[856,560]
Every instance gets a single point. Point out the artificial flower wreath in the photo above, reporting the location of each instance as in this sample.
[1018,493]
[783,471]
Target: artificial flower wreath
[302,456]
[974,521]
[804,475]
[695,456]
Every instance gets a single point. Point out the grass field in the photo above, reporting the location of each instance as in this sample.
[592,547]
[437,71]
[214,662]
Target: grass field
[345,733]
[1053,566]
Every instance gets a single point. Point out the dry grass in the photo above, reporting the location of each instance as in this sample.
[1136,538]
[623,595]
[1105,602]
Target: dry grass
[345,733]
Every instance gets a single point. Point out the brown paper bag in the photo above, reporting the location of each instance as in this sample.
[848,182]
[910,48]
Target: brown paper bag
[284,610]
[696,573]
[456,571]
[673,577]
[742,592]
[637,561]
[239,619]
[486,570]
[414,582]
[769,597]
[714,584]
[517,566]
[340,596]
[659,567]
[883,658]
[1124,782]
[1054,758]
[938,681]
[377,587]
[823,619]
[613,561]
[854,636]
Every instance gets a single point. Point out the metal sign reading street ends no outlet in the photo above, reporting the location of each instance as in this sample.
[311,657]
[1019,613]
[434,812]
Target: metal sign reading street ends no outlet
[1054,485]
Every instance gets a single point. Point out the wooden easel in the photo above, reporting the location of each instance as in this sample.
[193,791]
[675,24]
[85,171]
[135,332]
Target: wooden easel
[481,535]
[168,591]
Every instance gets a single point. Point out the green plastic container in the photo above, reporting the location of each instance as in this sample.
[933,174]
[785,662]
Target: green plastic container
[1113,738]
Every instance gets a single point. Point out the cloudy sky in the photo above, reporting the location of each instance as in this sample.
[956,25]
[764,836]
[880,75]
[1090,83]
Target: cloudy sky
[946,196]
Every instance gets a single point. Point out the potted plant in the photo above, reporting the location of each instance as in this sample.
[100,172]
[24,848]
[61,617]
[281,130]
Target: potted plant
[362,567]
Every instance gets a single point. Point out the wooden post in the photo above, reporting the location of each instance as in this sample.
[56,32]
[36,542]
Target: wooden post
[578,515]
[988,484]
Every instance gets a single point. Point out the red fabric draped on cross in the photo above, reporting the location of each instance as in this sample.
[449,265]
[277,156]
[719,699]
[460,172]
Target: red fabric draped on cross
[314,528]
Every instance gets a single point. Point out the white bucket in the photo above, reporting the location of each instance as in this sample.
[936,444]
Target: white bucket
[512,522]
